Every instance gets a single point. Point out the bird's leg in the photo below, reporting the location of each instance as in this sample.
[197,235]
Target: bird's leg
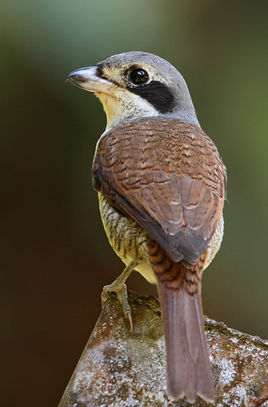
[119,287]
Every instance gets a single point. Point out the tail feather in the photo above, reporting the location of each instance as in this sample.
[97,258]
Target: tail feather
[188,368]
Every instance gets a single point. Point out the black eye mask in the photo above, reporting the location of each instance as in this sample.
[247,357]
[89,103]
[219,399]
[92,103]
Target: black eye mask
[157,94]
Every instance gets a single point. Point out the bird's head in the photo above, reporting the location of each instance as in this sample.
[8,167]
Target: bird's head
[137,84]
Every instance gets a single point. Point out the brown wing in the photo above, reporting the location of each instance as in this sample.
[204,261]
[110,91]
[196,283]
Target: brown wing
[167,175]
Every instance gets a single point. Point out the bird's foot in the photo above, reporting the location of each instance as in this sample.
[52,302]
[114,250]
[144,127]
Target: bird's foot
[120,288]
[121,292]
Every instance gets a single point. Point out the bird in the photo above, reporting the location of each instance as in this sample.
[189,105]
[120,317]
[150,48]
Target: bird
[161,186]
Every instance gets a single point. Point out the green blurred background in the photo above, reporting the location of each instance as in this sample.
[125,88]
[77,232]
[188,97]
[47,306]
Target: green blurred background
[55,257]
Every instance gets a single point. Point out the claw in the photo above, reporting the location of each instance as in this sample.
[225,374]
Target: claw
[122,297]
[121,293]
[120,288]
[128,315]
[104,295]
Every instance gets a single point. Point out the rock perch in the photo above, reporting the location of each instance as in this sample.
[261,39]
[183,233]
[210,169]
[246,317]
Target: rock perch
[119,368]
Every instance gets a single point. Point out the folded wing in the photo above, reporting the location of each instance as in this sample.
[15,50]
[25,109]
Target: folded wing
[167,175]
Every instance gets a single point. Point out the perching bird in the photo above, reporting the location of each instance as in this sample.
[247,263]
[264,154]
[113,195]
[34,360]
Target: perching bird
[161,187]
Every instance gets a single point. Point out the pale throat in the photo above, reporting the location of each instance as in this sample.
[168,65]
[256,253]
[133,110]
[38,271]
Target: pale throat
[124,106]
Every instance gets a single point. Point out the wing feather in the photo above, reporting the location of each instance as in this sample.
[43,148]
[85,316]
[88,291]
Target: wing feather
[168,176]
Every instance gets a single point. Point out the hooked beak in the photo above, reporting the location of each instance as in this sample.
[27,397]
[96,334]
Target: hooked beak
[88,78]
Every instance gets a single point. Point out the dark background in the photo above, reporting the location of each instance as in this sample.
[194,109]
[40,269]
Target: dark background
[55,257]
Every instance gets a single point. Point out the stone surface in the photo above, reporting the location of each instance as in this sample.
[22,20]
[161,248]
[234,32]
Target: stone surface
[120,368]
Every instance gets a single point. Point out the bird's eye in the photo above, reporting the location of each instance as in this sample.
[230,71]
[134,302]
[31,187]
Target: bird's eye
[138,76]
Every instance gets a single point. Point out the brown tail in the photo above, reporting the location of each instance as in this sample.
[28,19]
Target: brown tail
[188,368]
